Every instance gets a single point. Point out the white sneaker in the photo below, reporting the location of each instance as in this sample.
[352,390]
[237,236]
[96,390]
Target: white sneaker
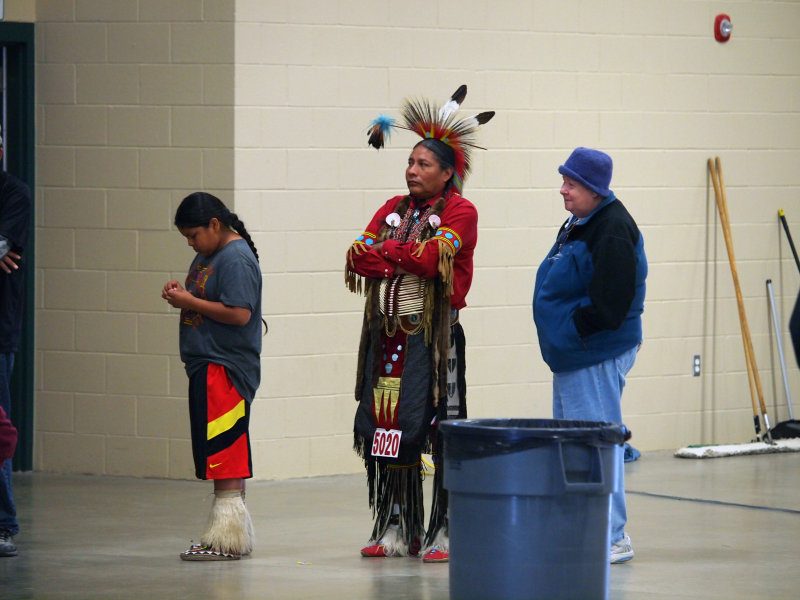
[621,551]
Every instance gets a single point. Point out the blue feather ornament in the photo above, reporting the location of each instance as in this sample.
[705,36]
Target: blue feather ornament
[379,131]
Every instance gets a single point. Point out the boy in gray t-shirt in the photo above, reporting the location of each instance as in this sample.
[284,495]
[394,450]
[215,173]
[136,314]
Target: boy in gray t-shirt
[220,344]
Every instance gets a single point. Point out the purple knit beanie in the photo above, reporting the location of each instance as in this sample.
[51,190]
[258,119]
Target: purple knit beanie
[590,168]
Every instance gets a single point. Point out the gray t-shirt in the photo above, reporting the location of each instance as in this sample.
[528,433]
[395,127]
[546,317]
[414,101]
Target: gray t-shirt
[231,276]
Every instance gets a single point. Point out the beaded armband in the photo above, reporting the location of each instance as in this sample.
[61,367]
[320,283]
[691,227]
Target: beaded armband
[365,239]
[449,237]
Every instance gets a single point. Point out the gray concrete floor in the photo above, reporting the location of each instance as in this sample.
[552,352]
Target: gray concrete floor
[710,528]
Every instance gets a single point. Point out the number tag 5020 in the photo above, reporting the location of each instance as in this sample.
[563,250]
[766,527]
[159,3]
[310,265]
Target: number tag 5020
[386,443]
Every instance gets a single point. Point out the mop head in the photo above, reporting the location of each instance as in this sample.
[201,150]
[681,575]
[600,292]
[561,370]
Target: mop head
[229,528]
[788,445]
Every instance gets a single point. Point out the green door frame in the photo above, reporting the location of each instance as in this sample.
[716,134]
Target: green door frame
[20,143]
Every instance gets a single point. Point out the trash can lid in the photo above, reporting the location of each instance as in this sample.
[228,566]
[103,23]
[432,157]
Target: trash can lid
[543,431]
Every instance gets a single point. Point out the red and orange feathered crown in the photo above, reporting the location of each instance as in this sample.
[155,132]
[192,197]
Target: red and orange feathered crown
[430,121]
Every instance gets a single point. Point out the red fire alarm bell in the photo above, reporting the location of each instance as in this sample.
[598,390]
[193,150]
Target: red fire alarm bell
[722,28]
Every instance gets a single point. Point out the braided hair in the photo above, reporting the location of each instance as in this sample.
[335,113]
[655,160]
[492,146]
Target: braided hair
[197,210]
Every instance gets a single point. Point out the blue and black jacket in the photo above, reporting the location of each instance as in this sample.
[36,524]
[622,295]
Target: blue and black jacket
[589,293]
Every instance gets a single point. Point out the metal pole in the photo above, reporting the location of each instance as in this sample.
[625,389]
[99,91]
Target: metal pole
[780,346]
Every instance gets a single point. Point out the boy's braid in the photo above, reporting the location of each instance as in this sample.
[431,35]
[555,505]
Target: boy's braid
[239,227]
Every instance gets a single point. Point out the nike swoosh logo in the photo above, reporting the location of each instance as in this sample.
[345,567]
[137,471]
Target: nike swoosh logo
[214,466]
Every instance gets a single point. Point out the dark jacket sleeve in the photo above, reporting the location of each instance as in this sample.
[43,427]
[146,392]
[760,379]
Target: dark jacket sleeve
[794,329]
[613,285]
[15,211]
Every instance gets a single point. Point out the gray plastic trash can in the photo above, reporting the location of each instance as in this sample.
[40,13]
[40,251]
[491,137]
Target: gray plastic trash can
[529,507]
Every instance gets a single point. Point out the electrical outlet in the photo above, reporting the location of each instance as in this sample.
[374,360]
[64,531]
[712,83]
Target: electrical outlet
[696,365]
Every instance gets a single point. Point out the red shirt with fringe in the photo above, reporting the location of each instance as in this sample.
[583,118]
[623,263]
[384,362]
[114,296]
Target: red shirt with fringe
[458,229]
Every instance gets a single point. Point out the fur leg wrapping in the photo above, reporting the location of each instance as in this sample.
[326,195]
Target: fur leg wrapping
[393,542]
[229,527]
[441,541]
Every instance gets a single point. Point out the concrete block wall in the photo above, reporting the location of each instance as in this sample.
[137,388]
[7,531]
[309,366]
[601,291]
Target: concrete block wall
[134,111]
[267,102]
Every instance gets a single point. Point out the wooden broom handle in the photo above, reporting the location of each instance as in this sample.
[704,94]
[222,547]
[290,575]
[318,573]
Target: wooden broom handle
[715,168]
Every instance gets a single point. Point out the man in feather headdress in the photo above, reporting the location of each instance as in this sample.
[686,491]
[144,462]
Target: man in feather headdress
[414,265]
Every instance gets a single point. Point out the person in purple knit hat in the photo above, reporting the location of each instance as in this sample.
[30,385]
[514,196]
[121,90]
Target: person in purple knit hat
[587,306]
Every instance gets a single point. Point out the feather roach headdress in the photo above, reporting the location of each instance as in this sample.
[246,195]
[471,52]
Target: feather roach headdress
[430,121]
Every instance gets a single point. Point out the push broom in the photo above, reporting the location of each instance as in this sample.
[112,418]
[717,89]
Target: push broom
[756,395]
[765,443]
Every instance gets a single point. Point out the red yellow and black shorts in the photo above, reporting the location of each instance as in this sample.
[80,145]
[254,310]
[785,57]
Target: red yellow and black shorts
[220,423]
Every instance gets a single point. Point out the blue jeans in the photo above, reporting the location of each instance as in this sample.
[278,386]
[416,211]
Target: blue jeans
[8,512]
[595,394]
